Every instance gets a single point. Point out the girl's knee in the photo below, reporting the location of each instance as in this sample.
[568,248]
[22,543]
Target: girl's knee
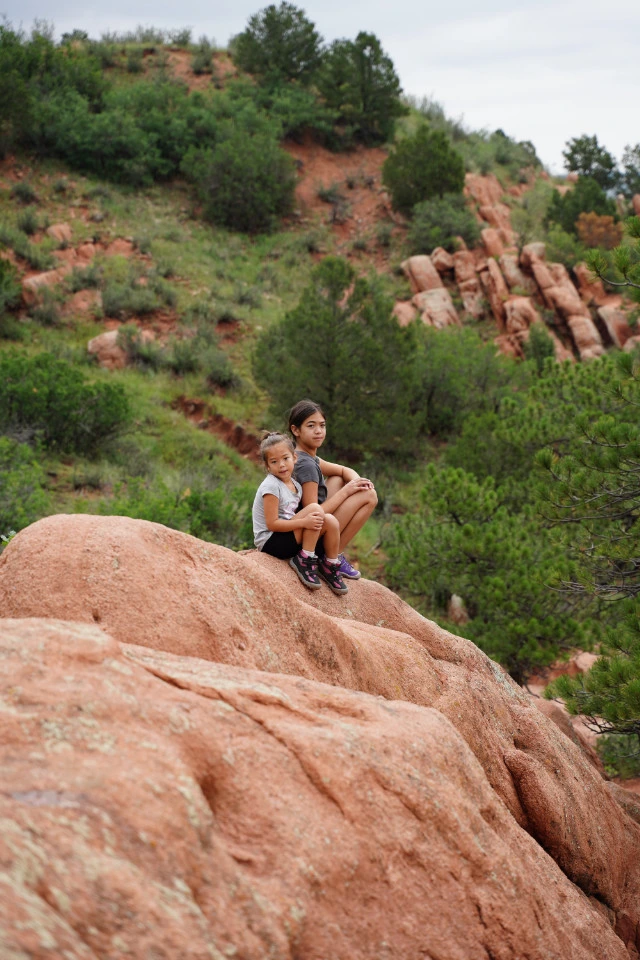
[331,523]
[372,498]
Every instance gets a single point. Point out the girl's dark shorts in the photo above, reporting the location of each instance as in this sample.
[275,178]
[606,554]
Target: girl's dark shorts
[284,545]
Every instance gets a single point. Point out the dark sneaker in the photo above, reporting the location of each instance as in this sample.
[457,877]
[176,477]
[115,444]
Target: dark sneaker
[331,573]
[307,570]
[346,570]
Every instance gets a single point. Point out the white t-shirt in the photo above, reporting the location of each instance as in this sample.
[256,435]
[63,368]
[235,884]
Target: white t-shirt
[287,505]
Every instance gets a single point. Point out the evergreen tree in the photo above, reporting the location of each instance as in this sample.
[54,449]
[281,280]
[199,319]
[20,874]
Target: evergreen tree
[630,180]
[359,83]
[422,166]
[279,44]
[585,156]
[341,347]
[586,197]
[620,267]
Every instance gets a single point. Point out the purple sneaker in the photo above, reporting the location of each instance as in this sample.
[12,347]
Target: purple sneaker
[331,573]
[346,570]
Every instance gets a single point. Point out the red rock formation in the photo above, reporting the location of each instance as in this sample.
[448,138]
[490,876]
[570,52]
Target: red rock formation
[61,232]
[513,274]
[496,291]
[472,297]
[421,273]
[485,190]
[106,350]
[591,291]
[464,266]
[586,337]
[127,751]
[520,313]
[436,308]
[182,808]
[616,324]
[33,286]
[530,253]
[492,242]
[442,260]
[404,312]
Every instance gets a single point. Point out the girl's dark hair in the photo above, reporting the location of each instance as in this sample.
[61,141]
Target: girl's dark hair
[302,410]
[270,440]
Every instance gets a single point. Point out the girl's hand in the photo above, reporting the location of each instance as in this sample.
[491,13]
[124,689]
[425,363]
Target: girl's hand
[357,486]
[314,520]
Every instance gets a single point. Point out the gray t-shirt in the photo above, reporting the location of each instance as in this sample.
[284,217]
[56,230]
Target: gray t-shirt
[288,502]
[307,469]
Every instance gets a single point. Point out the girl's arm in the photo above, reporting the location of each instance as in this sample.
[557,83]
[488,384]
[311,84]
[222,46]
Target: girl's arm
[276,524]
[338,470]
[310,492]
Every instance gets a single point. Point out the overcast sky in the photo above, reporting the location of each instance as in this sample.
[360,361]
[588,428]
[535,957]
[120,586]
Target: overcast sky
[544,71]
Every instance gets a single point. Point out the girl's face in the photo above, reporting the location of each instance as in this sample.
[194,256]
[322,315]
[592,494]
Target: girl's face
[279,460]
[311,433]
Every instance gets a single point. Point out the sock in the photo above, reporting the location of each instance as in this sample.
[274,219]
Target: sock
[306,554]
[332,561]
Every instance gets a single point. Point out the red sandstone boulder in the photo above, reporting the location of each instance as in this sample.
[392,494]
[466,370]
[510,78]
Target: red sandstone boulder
[566,301]
[492,242]
[497,216]
[485,190]
[590,290]
[107,351]
[616,324]
[510,345]
[32,287]
[404,312]
[530,253]
[436,308]
[586,337]
[514,276]
[61,232]
[86,251]
[120,248]
[496,290]
[464,266]
[442,260]
[421,273]
[162,806]
[472,297]
[520,314]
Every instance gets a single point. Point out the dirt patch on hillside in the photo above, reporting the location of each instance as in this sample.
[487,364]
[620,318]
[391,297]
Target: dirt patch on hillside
[233,434]
[180,67]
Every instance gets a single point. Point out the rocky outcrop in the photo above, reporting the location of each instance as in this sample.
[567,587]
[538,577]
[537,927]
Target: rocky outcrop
[421,274]
[34,286]
[404,312]
[442,260]
[365,773]
[436,308]
[184,808]
[492,242]
[61,232]
[616,325]
[107,351]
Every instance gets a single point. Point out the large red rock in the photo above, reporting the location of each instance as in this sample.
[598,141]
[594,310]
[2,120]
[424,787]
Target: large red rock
[442,260]
[421,273]
[616,324]
[492,242]
[61,232]
[496,290]
[166,591]
[108,352]
[163,806]
[436,308]
[485,190]
[520,313]
[591,291]
[586,337]
[33,287]
[464,266]
[472,297]
[516,279]
[566,301]
[404,312]
[496,215]
[532,252]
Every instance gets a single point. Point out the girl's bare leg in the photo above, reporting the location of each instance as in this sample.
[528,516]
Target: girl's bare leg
[331,532]
[305,537]
[354,513]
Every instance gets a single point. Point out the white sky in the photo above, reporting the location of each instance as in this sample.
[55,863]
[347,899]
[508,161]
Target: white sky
[543,71]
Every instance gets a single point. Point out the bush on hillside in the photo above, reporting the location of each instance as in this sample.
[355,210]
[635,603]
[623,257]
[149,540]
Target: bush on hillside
[630,178]
[279,44]
[420,167]
[358,82]
[587,196]
[246,182]
[311,351]
[23,497]
[599,231]
[439,222]
[584,156]
[10,289]
[42,398]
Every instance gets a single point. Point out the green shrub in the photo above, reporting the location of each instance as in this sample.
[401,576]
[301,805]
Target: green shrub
[539,347]
[37,258]
[587,196]
[24,192]
[563,247]
[28,222]
[135,61]
[23,495]
[202,60]
[245,183]
[122,299]
[620,755]
[43,397]
[279,44]
[85,278]
[439,222]
[421,167]
[10,289]
[47,311]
